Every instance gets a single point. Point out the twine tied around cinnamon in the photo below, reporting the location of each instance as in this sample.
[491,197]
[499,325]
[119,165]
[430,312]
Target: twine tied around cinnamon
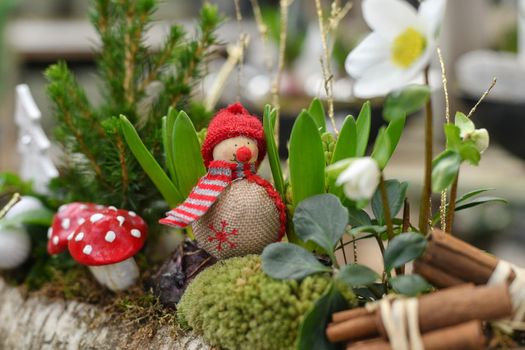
[500,275]
[401,322]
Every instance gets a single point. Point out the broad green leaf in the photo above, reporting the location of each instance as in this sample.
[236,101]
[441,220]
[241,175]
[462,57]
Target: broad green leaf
[346,145]
[445,168]
[306,157]
[401,103]
[480,200]
[312,332]
[189,165]
[148,163]
[410,285]
[464,124]
[40,217]
[382,151]
[316,111]
[358,217]
[269,118]
[394,130]
[321,219]
[396,192]
[469,152]
[404,248]
[452,136]
[471,194]
[356,275]
[289,261]
[363,124]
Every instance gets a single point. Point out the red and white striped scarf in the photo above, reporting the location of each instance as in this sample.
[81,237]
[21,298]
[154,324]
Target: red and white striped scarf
[220,175]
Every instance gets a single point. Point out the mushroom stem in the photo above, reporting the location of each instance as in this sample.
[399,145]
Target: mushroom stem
[15,246]
[117,276]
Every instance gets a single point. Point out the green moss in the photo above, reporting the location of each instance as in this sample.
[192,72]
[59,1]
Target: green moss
[236,306]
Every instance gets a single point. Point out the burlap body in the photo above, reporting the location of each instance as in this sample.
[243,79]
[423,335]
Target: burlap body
[245,214]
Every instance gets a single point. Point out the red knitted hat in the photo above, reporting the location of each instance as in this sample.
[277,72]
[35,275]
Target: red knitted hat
[229,122]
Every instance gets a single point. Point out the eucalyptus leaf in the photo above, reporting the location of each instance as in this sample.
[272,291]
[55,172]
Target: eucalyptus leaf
[346,145]
[445,168]
[355,275]
[403,102]
[321,219]
[404,248]
[269,117]
[150,166]
[363,124]
[396,193]
[481,200]
[187,156]
[358,217]
[316,111]
[306,158]
[312,332]
[289,261]
[410,285]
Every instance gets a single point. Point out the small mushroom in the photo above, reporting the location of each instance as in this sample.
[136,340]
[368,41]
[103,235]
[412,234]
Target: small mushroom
[15,244]
[65,221]
[106,243]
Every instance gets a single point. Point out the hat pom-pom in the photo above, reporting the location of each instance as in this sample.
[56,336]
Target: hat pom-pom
[237,108]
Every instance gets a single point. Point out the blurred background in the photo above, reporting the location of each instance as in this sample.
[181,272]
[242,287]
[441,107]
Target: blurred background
[480,40]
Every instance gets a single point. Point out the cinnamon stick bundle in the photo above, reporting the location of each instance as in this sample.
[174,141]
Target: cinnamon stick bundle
[465,336]
[444,308]
[449,261]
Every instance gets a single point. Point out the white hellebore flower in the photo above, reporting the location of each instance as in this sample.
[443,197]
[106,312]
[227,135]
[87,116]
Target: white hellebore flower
[360,179]
[480,138]
[399,47]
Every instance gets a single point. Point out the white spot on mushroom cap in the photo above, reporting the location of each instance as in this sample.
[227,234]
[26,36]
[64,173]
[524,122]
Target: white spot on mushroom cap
[112,207]
[83,207]
[96,217]
[87,249]
[81,221]
[132,213]
[121,220]
[62,207]
[65,223]
[55,240]
[70,237]
[136,233]
[49,232]
[79,237]
[110,236]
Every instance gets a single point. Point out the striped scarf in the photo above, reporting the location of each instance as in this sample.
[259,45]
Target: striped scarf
[220,175]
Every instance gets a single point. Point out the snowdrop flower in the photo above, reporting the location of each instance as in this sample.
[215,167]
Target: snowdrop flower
[360,179]
[399,47]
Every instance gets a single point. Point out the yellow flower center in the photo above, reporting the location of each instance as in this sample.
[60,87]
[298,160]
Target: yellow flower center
[408,47]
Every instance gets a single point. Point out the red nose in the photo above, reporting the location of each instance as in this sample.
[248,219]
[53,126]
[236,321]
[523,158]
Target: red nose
[244,154]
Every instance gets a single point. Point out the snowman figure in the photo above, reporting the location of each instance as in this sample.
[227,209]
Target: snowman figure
[232,211]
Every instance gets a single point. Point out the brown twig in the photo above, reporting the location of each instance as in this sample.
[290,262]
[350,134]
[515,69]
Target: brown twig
[452,204]
[427,186]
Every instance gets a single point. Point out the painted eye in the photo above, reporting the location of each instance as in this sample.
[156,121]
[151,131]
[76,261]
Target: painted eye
[248,142]
[235,145]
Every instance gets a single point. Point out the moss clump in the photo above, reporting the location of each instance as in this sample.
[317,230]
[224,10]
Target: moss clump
[235,305]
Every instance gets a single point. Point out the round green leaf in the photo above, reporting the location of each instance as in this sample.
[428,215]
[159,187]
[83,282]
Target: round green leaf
[403,102]
[404,248]
[290,261]
[356,275]
[410,285]
[444,170]
[321,219]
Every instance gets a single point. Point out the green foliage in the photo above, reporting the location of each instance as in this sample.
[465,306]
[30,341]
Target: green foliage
[356,275]
[396,193]
[410,285]
[307,161]
[404,248]
[316,111]
[98,166]
[286,261]
[363,124]
[234,304]
[401,103]
[387,140]
[445,168]
[40,217]
[269,118]
[346,145]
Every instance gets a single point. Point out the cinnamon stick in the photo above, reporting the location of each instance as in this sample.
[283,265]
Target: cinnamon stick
[465,336]
[354,328]
[349,314]
[439,278]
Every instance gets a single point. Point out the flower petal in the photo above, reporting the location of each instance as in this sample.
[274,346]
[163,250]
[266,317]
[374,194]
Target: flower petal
[373,50]
[390,17]
[432,13]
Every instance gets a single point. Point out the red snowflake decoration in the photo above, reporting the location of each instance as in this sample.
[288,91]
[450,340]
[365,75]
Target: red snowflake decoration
[222,236]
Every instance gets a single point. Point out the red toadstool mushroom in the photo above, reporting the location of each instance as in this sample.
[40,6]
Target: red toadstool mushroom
[106,243]
[65,221]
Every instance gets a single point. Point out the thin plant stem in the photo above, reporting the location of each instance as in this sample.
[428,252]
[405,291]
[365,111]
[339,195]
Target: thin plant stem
[386,208]
[482,98]
[15,198]
[424,212]
[452,204]
[443,204]
[343,250]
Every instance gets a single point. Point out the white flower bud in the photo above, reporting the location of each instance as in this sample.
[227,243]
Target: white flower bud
[360,179]
[481,139]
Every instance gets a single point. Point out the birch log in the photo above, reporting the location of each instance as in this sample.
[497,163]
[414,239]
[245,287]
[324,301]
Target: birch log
[39,323]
